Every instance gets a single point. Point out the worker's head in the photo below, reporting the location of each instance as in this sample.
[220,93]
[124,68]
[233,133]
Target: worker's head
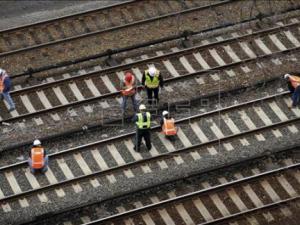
[142,107]
[164,113]
[286,76]
[36,142]
[128,76]
[152,71]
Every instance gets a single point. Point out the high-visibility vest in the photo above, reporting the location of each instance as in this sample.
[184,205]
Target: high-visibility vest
[295,81]
[129,88]
[141,124]
[154,83]
[2,82]
[168,127]
[37,157]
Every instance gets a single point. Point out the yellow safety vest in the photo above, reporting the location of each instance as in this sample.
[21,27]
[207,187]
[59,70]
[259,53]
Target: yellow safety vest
[141,124]
[154,83]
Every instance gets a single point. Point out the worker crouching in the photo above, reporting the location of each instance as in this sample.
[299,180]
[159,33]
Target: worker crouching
[38,158]
[168,125]
[294,87]
[129,91]
[143,123]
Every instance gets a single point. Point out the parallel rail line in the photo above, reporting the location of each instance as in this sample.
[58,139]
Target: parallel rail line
[286,122]
[77,47]
[86,211]
[80,22]
[116,73]
[192,198]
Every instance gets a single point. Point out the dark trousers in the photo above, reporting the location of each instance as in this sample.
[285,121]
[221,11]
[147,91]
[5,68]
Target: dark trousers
[142,133]
[296,96]
[150,92]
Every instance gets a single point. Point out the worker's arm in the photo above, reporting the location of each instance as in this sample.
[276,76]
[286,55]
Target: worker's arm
[7,84]
[144,79]
[161,81]
[161,121]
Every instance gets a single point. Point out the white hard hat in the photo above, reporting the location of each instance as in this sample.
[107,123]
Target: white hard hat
[165,113]
[36,142]
[142,107]
[152,71]
[286,76]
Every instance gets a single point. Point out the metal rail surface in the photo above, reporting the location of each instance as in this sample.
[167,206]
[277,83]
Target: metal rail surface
[193,198]
[105,84]
[287,122]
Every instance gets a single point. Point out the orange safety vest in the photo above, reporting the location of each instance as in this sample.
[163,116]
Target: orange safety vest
[37,157]
[2,82]
[129,88]
[295,81]
[169,128]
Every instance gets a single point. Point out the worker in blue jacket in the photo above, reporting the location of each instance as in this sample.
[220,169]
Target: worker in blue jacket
[5,85]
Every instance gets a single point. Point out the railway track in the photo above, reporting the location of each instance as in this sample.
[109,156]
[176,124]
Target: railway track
[225,202]
[179,187]
[108,162]
[71,48]
[116,15]
[97,91]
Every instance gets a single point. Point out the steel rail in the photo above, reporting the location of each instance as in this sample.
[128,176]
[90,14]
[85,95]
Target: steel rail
[13,29]
[157,58]
[109,52]
[116,138]
[188,75]
[235,163]
[169,15]
[249,211]
[170,106]
[143,161]
[194,194]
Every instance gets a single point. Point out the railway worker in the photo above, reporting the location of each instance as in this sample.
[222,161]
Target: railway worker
[38,158]
[294,87]
[5,85]
[167,124]
[129,91]
[143,122]
[152,80]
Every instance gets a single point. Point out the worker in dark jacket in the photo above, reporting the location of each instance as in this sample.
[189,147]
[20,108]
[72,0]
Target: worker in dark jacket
[5,85]
[152,80]
[38,158]
[143,123]
[294,87]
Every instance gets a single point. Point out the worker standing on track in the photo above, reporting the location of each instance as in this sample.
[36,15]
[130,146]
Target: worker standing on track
[294,87]
[152,80]
[167,124]
[143,123]
[129,91]
[5,85]
[38,158]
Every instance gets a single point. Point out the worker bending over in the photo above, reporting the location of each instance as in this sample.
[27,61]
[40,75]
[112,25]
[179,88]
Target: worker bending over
[152,80]
[5,85]
[129,91]
[168,124]
[143,122]
[38,158]
[294,87]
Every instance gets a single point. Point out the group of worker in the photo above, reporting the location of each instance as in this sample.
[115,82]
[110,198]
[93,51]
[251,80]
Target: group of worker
[151,81]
